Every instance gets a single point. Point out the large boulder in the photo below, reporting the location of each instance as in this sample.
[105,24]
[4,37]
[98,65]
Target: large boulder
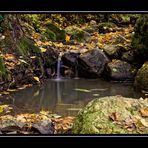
[141,79]
[113,115]
[120,71]
[92,63]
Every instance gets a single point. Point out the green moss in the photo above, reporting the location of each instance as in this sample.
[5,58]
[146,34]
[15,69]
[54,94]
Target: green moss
[78,36]
[50,34]
[95,118]
[60,34]
[3,70]
[139,40]
[26,46]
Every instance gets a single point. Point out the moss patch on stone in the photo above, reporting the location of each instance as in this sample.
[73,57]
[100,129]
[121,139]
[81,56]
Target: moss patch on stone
[55,32]
[26,46]
[141,79]
[112,115]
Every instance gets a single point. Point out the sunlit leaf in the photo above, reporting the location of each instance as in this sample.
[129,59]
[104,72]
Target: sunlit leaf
[144,112]
[23,61]
[11,90]
[37,79]
[43,49]
[33,57]
[5,93]
[67,38]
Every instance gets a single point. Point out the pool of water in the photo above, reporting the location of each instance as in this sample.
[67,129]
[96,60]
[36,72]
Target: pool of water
[67,96]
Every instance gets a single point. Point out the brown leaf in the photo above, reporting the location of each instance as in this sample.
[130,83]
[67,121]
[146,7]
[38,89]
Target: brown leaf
[114,116]
[144,112]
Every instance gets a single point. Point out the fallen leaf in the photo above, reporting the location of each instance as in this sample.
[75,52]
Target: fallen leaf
[114,116]
[67,38]
[144,112]
[82,90]
[23,61]
[11,90]
[37,79]
[43,49]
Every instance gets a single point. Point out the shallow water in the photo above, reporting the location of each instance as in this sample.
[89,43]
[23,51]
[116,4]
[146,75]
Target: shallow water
[67,96]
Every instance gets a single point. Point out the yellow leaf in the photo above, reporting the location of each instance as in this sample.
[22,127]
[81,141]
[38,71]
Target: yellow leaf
[1,109]
[144,112]
[4,93]
[23,61]
[11,90]
[37,79]
[82,90]
[43,49]
[60,45]
[67,38]
[33,57]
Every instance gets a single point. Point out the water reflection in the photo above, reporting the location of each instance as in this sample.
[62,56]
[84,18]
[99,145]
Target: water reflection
[67,97]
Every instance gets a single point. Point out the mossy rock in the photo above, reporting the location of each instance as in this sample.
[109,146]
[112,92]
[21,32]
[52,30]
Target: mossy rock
[77,34]
[25,46]
[141,79]
[140,39]
[3,70]
[50,34]
[55,32]
[112,115]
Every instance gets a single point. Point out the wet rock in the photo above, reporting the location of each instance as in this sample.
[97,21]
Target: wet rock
[120,71]
[44,126]
[70,63]
[129,57]
[112,115]
[8,124]
[114,51]
[92,63]
[70,59]
[141,79]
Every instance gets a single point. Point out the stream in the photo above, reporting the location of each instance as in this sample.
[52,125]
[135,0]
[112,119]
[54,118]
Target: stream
[66,97]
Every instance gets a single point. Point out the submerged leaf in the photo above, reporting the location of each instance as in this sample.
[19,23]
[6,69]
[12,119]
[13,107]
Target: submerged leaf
[82,90]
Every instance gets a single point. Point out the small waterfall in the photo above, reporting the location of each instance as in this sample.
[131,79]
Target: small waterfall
[58,67]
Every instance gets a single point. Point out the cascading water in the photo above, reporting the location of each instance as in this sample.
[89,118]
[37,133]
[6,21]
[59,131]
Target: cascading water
[58,67]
